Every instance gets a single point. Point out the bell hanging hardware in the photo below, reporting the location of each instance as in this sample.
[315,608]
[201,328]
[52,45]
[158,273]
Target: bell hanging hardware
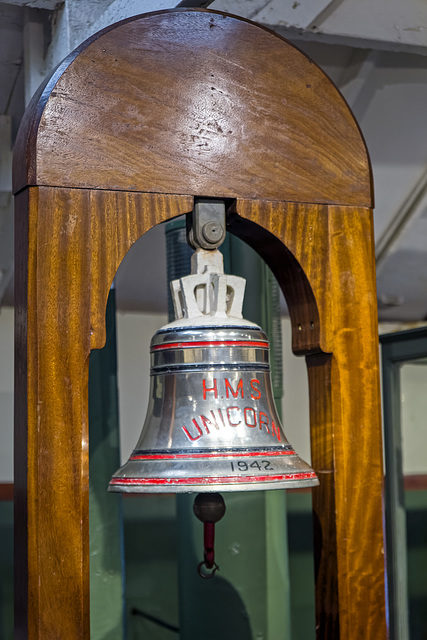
[211,422]
[206,224]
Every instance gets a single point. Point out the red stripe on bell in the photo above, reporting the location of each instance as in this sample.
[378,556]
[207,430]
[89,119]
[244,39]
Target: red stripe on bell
[213,343]
[213,480]
[191,456]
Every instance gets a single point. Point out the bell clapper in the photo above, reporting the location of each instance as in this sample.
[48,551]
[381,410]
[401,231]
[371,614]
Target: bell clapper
[209,508]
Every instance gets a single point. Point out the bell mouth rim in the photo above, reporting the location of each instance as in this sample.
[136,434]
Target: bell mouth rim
[213,484]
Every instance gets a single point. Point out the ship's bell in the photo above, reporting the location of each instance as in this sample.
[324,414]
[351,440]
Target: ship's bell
[211,422]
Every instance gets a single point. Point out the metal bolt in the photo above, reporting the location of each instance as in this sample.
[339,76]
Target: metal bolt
[212,232]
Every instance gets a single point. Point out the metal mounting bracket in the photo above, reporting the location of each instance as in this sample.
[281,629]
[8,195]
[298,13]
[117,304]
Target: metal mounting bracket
[206,224]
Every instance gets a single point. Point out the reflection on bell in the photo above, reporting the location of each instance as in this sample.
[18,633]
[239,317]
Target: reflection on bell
[211,422]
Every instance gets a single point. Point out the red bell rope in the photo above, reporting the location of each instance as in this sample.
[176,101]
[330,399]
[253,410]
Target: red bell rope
[209,542]
[208,508]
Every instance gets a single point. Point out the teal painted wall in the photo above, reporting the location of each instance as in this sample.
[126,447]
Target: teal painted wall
[416,536]
[6,570]
[301,566]
[150,543]
[105,518]
[150,529]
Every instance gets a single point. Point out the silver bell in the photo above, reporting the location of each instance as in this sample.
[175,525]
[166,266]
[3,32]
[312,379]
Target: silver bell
[211,422]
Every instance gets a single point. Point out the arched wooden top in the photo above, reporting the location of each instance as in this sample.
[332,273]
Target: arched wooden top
[194,102]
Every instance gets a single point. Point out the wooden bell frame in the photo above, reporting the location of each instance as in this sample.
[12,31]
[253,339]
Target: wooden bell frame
[135,123]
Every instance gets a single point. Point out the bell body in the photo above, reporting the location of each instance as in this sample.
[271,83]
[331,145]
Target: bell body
[211,423]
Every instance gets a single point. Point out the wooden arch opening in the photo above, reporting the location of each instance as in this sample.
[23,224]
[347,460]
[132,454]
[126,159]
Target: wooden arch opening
[139,120]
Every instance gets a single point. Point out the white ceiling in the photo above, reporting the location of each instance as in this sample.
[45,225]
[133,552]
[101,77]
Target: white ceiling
[374,50]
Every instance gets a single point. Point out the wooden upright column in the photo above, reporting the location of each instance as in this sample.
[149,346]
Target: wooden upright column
[124,135]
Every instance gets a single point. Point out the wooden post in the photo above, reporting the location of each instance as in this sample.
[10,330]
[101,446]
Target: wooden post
[123,136]
[339,337]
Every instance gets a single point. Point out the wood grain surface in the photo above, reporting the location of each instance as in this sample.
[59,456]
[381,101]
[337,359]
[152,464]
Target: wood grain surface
[70,271]
[194,102]
[76,240]
[333,248]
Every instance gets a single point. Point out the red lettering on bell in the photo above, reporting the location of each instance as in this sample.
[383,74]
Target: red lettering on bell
[228,388]
[275,430]
[236,416]
[258,396]
[220,415]
[229,410]
[250,421]
[209,423]
[199,431]
[206,389]
[263,420]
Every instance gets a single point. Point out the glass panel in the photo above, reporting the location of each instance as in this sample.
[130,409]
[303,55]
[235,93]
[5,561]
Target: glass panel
[413,387]
[105,518]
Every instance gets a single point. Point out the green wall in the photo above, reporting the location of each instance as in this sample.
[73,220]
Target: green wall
[150,530]
[6,570]
[416,536]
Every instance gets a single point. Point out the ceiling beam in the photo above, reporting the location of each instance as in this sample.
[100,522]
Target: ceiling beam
[6,205]
[72,26]
[357,82]
[396,22]
[414,207]
[6,244]
[5,153]
[51,5]
[33,47]
[295,13]
[393,25]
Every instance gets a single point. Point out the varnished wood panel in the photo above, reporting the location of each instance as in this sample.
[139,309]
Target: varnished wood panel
[20,524]
[326,545]
[332,248]
[293,239]
[357,434]
[198,103]
[61,298]
[194,102]
[322,257]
